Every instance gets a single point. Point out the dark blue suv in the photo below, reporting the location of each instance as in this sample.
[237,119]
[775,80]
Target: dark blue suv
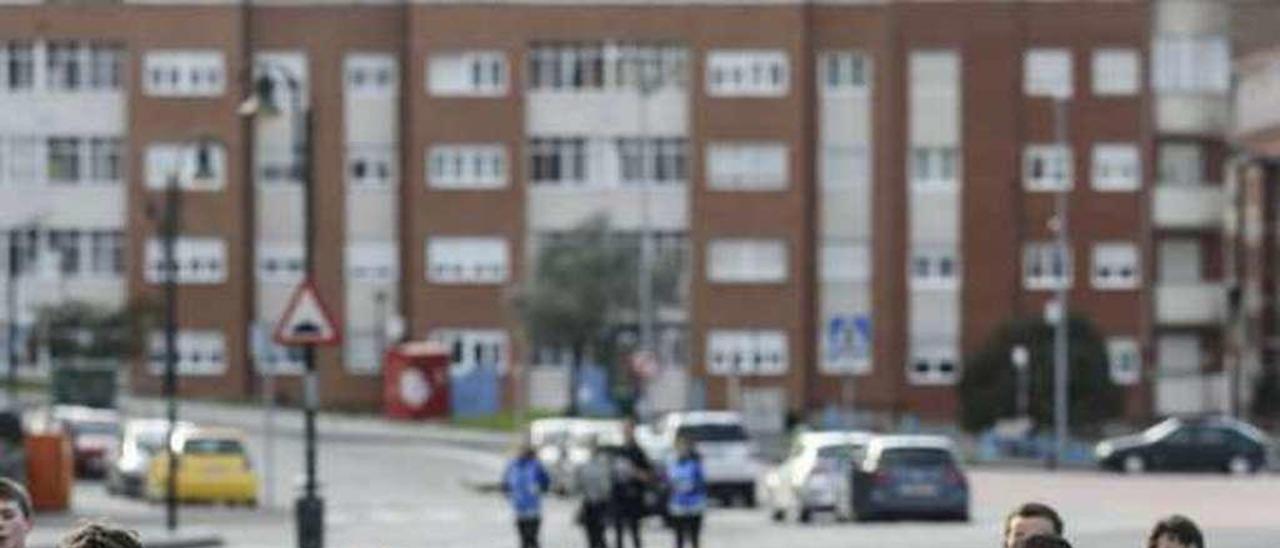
[911,477]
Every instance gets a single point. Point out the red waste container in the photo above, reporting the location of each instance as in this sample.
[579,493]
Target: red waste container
[49,471]
[416,381]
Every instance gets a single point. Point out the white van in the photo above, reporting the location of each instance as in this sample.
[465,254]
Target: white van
[728,455]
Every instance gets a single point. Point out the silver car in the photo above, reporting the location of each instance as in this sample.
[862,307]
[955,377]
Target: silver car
[815,476]
[140,441]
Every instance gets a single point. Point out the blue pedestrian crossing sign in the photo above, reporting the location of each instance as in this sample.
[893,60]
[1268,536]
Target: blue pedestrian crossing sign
[847,343]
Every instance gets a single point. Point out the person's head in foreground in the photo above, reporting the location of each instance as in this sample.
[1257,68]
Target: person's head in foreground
[15,514]
[1175,532]
[1045,540]
[1032,518]
[100,535]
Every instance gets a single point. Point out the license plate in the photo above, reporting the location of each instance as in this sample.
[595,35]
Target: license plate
[919,490]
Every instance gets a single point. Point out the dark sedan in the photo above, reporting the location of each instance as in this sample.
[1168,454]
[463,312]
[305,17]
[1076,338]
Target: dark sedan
[1220,444]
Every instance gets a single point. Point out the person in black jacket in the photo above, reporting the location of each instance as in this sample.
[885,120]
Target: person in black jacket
[632,475]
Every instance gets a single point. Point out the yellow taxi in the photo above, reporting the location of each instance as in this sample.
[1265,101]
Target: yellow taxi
[213,466]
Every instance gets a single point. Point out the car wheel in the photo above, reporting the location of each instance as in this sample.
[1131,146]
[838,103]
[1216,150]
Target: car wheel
[1239,465]
[778,515]
[1134,464]
[805,516]
[749,497]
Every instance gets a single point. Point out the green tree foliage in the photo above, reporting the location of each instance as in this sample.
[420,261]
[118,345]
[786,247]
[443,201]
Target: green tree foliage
[988,388]
[77,329]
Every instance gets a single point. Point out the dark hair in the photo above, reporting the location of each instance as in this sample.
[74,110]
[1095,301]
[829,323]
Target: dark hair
[1180,527]
[1034,510]
[100,535]
[1043,541]
[14,491]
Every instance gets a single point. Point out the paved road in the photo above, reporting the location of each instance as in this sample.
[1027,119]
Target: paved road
[394,492]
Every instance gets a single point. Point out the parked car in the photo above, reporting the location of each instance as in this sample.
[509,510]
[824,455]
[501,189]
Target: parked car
[605,432]
[141,440]
[213,466]
[910,476]
[1213,443]
[95,437]
[728,455]
[815,475]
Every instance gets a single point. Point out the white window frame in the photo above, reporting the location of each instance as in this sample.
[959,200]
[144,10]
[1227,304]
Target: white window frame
[490,345]
[371,75]
[1191,65]
[742,352]
[467,166]
[574,156]
[163,159]
[104,256]
[379,165]
[372,262]
[1117,167]
[759,166]
[934,168]
[845,72]
[846,166]
[104,152]
[1116,72]
[25,50]
[652,161]
[1048,72]
[845,261]
[280,263]
[1056,173]
[934,268]
[472,63]
[747,261]
[211,252]
[935,357]
[748,73]
[200,353]
[444,267]
[1181,156]
[1124,360]
[1038,262]
[191,73]
[1109,260]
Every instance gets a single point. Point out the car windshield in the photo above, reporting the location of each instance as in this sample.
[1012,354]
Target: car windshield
[1162,429]
[712,432]
[212,447]
[843,452]
[916,456]
[96,427]
[151,442]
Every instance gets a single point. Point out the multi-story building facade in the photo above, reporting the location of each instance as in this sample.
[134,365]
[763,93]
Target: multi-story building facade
[857,193]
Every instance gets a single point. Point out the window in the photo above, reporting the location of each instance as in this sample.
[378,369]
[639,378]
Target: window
[1115,266]
[24,245]
[106,66]
[1191,65]
[569,66]
[1047,168]
[371,75]
[933,365]
[467,73]
[24,154]
[845,166]
[1045,266]
[184,73]
[278,359]
[105,160]
[199,352]
[934,267]
[1180,164]
[746,261]
[934,168]
[746,352]
[277,166]
[283,263]
[472,348]
[1116,166]
[370,166]
[184,161]
[467,260]
[747,166]
[844,71]
[19,66]
[747,73]
[845,261]
[201,261]
[1179,354]
[63,165]
[1115,72]
[106,253]
[372,262]
[653,161]
[1047,73]
[554,160]
[472,166]
[64,246]
[1125,360]
[62,65]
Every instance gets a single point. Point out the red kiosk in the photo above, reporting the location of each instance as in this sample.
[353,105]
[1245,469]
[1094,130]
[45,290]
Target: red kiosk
[416,381]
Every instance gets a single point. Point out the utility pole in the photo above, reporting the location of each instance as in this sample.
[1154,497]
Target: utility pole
[172,195]
[1060,351]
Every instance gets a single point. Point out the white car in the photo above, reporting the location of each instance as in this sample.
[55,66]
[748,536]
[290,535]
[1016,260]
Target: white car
[561,444]
[141,440]
[815,477]
[729,460]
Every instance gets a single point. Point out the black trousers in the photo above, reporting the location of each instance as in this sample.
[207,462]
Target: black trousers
[528,529]
[627,516]
[593,516]
[688,528]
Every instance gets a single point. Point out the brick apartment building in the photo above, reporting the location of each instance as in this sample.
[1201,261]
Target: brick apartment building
[857,189]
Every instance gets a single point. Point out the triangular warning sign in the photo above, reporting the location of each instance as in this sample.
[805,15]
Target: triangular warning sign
[306,320]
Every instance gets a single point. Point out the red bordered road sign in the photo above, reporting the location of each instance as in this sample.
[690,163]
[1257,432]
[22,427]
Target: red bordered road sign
[306,320]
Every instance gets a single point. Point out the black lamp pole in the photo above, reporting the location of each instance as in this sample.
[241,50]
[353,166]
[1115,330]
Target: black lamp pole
[169,229]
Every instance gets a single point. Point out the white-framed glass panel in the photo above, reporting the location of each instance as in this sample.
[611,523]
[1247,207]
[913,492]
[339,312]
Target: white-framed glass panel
[746,260]
[200,261]
[1180,164]
[184,161]
[1116,167]
[1115,71]
[1046,265]
[1047,72]
[25,159]
[844,72]
[933,365]
[1115,266]
[653,161]
[184,73]
[283,263]
[472,348]
[747,166]
[934,267]
[1047,168]
[277,166]
[106,160]
[106,253]
[467,74]
[199,352]
[845,261]
[19,68]
[467,260]
[467,166]
[1190,64]
[587,66]
[934,168]
[371,75]
[757,352]
[64,248]
[63,163]
[106,66]
[747,73]
[1124,358]
[845,166]
[372,262]
[371,166]
[558,160]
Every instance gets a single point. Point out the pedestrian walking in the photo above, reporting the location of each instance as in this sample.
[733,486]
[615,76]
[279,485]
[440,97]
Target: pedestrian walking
[100,535]
[15,514]
[1175,531]
[633,474]
[595,481]
[524,482]
[1029,519]
[688,493]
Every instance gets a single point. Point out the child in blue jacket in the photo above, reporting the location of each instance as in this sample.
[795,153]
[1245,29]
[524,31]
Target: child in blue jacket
[524,482]
[688,493]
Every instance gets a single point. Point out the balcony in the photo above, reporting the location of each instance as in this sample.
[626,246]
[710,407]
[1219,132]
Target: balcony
[1258,95]
[1192,304]
[1187,207]
[1207,114]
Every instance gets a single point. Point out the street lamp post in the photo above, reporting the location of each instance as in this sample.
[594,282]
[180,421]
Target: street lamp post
[1019,356]
[309,508]
[1060,351]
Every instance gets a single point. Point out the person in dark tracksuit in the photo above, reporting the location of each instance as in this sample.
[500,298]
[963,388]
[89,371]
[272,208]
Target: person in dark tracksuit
[632,476]
[688,493]
[595,481]
[524,482]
